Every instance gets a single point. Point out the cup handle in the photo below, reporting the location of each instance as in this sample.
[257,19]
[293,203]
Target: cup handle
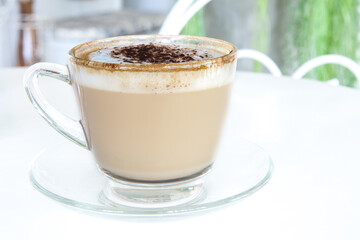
[68,127]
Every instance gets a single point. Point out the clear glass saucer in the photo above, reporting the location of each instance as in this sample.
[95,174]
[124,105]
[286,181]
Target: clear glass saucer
[68,174]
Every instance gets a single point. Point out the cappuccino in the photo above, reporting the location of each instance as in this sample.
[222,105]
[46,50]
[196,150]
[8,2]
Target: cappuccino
[152,112]
[157,122]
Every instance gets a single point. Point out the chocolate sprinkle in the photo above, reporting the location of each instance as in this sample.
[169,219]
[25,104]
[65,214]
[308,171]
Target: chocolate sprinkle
[157,54]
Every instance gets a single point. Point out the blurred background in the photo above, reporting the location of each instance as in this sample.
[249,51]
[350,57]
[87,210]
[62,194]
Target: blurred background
[288,31]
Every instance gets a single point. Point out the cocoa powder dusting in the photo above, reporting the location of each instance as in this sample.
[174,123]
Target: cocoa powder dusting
[157,54]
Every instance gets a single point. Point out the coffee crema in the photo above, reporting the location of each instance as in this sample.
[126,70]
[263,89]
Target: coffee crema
[153,81]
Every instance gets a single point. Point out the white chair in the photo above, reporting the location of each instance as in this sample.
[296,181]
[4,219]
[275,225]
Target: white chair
[181,13]
[329,59]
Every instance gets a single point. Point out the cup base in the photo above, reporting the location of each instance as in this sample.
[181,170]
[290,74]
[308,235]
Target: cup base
[117,194]
[120,191]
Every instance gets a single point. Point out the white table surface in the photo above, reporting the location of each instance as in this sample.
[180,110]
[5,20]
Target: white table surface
[311,130]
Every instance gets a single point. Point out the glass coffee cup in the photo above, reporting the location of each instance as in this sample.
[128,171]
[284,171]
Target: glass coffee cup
[153,128]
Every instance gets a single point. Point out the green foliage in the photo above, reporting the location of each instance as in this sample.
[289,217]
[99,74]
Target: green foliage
[321,27]
[312,28]
[260,41]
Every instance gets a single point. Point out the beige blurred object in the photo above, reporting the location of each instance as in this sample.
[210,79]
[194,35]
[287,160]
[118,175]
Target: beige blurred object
[33,17]
[61,35]
[39,30]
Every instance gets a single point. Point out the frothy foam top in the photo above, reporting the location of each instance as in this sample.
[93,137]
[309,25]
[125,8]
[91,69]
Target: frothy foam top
[154,82]
[151,53]
[153,64]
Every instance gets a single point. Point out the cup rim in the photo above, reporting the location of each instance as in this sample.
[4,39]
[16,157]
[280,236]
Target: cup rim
[193,65]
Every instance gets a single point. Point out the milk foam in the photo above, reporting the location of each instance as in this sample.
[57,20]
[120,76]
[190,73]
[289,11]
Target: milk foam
[106,73]
[153,82]
[104,55]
